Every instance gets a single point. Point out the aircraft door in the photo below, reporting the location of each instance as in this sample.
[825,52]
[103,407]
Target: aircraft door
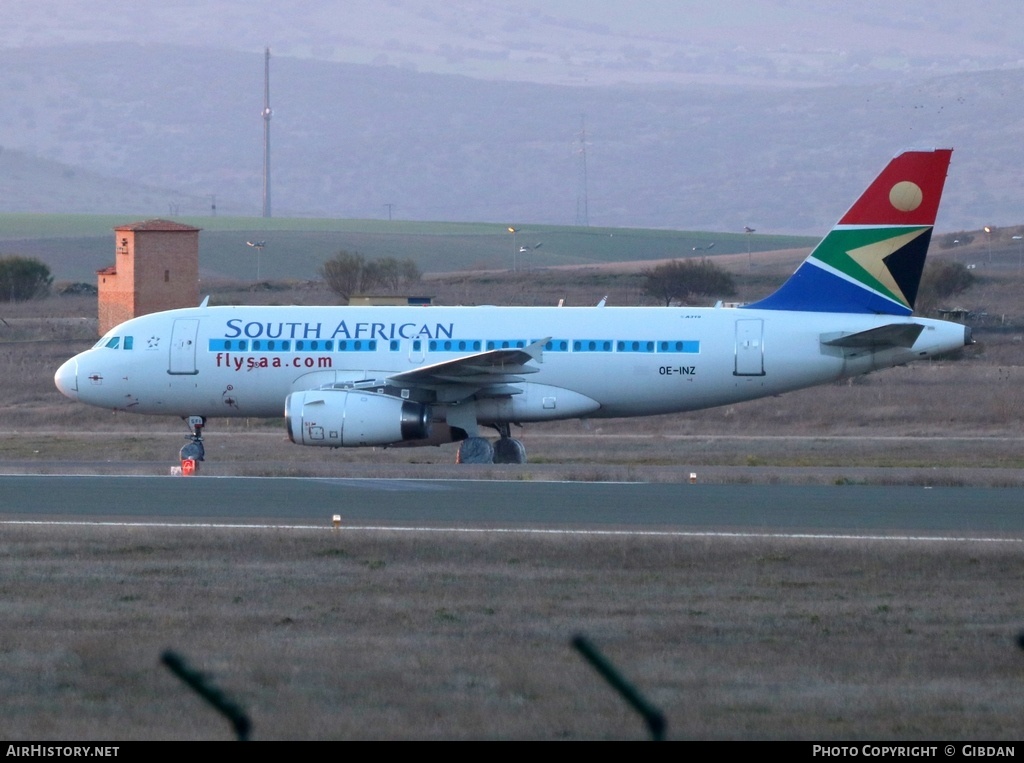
[749,347]
[183,346]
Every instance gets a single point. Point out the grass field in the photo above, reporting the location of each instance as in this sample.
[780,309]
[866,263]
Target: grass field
[376,635]
[76,246]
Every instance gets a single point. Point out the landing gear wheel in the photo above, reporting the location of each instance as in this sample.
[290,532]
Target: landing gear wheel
[193,450]
[475,450]
[509,451]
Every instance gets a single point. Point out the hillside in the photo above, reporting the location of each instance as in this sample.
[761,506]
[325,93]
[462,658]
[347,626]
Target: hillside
[30,184]
[363,141]
[767,43]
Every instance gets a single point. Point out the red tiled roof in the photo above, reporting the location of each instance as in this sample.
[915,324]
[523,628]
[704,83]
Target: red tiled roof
[166,225]
[111,271]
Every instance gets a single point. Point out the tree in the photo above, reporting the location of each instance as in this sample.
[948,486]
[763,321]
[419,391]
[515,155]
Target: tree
[343,273]
[347,273]
[390,274]
[23,278]
[686,279]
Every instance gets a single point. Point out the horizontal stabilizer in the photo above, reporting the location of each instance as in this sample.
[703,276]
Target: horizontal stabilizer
[892,335]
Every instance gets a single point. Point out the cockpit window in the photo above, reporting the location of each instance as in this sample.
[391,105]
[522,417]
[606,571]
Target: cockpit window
[114,342]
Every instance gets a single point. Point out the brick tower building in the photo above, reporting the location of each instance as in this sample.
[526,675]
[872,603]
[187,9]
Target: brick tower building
[156,267]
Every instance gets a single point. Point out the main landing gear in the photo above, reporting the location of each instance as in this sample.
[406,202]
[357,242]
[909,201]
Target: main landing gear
[479,450]
[193,452]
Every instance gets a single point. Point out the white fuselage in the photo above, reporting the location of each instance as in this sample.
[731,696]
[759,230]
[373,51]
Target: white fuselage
[600,361]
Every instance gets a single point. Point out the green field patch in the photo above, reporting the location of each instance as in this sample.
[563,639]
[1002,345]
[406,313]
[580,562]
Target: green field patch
[76,246]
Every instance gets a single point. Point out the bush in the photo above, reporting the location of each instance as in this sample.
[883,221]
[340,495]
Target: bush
[684,280]
[23,278]
[947,278]
[78,289]
[941,280]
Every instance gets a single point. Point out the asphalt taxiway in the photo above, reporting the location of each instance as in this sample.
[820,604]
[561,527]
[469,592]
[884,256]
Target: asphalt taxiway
[786,509]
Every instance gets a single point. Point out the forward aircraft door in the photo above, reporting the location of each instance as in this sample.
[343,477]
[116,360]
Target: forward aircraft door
[749,347]
[183,346]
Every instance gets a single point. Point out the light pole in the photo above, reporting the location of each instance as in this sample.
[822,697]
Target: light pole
[258,246]
[988,237]
[515,249]
[748,230]
[267,113]
[1020,251]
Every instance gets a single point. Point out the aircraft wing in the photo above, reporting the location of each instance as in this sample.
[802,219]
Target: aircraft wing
[891,335]
[484,374]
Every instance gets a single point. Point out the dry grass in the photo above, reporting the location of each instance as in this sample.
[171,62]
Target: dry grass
[379,635]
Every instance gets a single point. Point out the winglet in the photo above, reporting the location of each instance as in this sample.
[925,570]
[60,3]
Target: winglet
[872,260]
[536,349]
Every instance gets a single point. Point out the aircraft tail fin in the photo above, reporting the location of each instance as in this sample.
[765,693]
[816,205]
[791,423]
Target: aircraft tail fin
[871,261]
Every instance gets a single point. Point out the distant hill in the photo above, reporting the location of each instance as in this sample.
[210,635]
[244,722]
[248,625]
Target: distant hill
[360,141]
[726,43]
[31,184]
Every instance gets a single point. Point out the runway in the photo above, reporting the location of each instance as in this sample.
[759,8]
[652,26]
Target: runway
[858,510]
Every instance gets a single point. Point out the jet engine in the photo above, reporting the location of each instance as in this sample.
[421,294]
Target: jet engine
[348,418]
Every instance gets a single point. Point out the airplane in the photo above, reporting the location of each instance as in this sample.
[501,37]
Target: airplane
[388,376]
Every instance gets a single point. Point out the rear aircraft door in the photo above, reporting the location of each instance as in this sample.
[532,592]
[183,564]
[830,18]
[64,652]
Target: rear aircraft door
[749,347]
[183,346]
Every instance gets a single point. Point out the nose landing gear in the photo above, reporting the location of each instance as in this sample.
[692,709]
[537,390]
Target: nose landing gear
[193,452]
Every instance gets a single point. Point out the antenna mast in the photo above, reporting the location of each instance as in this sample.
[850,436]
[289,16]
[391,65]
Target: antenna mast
[267,113]
[582,205]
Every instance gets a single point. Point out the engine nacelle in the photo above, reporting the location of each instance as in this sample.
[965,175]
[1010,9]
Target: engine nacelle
[349,418]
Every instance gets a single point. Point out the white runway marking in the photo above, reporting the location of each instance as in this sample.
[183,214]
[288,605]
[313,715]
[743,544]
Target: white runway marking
[523,531]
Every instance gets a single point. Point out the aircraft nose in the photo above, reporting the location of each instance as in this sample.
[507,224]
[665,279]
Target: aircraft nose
[66,379]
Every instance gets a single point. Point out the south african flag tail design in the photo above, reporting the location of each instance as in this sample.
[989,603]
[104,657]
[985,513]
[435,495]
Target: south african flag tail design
[871,261]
